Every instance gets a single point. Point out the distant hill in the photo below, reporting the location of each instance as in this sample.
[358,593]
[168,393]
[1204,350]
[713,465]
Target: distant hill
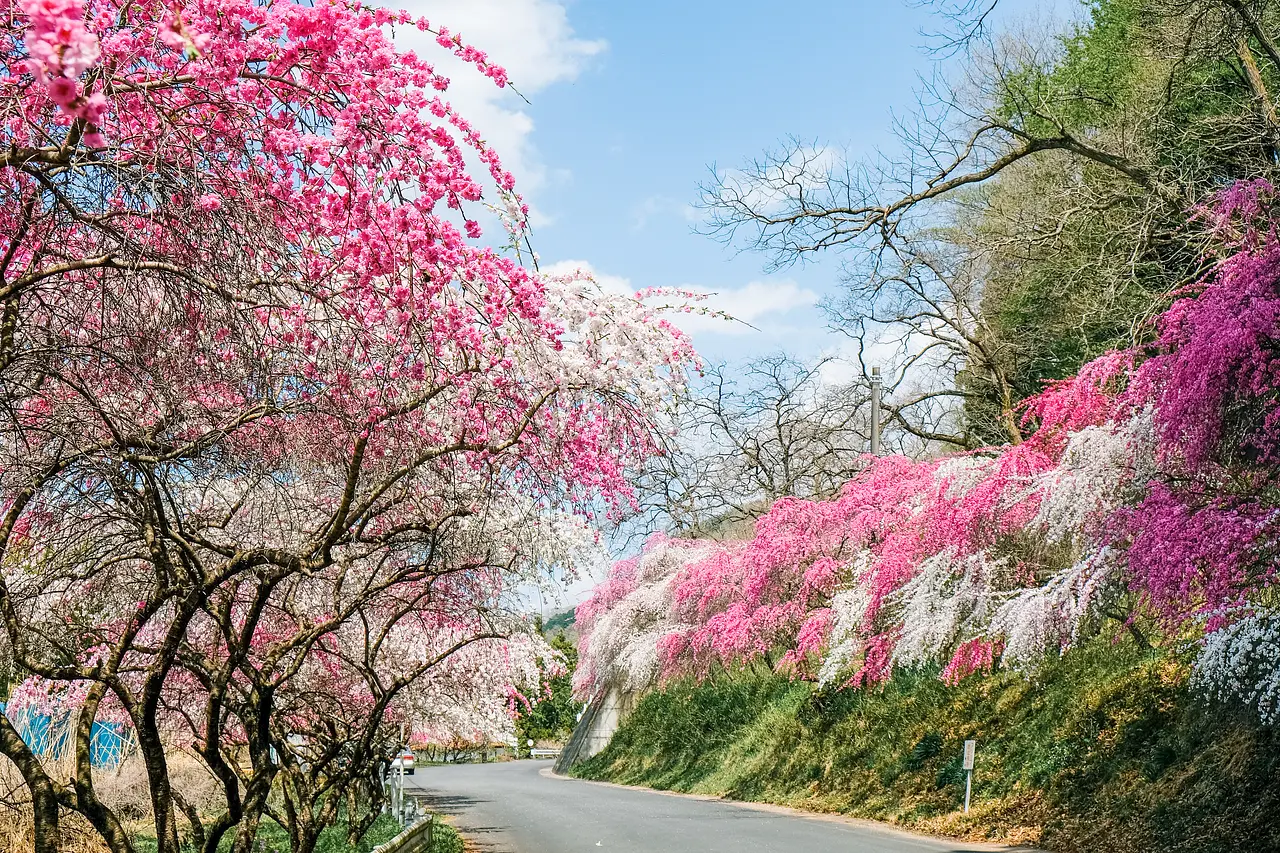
[560,623]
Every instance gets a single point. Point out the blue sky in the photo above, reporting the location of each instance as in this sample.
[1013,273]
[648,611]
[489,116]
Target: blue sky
[630,103]
[685,85]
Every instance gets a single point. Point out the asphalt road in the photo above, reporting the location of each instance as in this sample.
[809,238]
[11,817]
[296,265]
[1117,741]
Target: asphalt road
[514,808]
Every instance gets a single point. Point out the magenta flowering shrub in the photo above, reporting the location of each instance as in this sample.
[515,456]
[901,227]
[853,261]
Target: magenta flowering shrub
[1215,380]
[1190,552]
[1149,478]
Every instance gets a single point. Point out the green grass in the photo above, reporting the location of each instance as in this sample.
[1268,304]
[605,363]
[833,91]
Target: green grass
[445,839]
[1105,750]
[273,838]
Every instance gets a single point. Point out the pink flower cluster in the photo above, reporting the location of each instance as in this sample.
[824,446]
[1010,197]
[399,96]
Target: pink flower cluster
[972,656]
[1215,379]
[1192,551]
[174,34]
[61,48]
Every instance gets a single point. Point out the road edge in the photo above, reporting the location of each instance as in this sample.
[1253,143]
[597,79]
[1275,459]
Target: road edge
[861,823]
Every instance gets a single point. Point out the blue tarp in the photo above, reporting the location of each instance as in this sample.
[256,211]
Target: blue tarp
[109,743]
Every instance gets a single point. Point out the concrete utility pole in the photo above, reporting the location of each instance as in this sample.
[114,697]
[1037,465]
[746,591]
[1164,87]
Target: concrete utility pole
[399,796]
[876,388]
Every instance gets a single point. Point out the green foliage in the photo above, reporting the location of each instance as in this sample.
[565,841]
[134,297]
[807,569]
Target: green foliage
[273,838]
[553,716]
[929,746]
[445,839]
[1090,79]
[1105,750]
[1076,255]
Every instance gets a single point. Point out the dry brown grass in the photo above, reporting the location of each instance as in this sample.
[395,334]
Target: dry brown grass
[123,789]
[77,836]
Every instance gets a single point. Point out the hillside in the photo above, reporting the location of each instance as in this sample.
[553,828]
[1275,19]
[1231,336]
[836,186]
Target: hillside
[1106,751]
[1068,546]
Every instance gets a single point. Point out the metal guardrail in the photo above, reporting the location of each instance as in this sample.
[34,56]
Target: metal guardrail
[414,839]
[544,753]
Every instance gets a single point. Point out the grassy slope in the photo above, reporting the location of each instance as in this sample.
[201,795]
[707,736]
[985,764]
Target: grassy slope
[1106,750]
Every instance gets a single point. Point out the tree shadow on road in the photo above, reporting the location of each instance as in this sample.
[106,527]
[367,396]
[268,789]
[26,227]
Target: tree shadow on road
[478,838]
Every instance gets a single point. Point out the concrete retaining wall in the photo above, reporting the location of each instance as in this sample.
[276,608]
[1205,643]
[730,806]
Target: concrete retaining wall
[600,720]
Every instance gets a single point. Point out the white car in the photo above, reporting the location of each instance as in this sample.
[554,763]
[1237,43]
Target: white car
[402,759]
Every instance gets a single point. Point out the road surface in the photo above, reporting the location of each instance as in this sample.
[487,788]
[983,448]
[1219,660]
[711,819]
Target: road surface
[513,807]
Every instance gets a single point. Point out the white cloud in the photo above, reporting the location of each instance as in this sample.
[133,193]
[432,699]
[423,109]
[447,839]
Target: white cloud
[789,172]
[756,306]
[534,41]
[841,370]
[656,206]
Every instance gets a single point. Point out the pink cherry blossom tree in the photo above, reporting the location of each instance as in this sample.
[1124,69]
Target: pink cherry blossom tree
[268,399]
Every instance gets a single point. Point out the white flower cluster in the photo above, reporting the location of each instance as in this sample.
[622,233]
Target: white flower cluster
[1100,466]
[624,642]
[546,547]
[949,596]
[962,473]
[611,341]
[1048,618]
[848,611]
[462,683]
[1242,662]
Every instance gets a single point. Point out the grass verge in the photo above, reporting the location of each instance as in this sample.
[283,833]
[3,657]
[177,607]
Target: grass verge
[273,838]
[1104,751]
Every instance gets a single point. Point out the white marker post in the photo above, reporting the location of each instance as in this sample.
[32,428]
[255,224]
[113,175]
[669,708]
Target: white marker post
[970,746]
